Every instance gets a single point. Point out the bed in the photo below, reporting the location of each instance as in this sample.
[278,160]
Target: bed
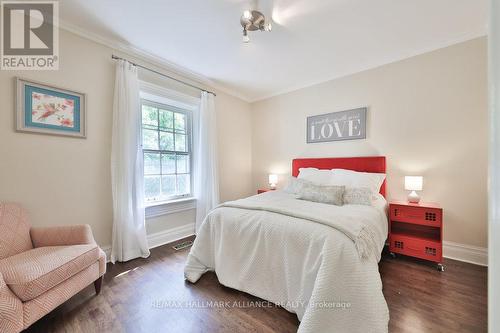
[316,260]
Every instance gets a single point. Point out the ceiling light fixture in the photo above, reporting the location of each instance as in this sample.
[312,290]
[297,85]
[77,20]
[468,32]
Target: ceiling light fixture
[253,20]
[246,39]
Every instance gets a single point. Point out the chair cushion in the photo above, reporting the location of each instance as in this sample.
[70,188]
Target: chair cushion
[31,273]
[14,230]
[46,302]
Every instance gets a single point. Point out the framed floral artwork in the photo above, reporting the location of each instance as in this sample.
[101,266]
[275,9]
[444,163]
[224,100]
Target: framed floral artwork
[49,110]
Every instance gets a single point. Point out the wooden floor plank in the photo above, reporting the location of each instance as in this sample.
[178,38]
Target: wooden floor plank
[420,299]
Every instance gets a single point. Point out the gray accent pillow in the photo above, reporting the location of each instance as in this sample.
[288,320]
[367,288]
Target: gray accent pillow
[358,196]
[332,195]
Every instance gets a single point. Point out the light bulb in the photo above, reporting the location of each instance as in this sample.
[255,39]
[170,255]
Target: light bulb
[273,180]
[247,14]
[246,39]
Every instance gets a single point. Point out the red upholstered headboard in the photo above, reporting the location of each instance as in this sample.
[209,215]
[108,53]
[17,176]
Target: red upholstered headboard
[362,164]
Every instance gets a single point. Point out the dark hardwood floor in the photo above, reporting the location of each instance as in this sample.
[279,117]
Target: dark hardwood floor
[135,296]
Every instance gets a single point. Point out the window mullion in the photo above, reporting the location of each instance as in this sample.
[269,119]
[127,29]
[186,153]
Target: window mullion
[161,174]
[166,151]
[159,148]
[173,128]
[175,150]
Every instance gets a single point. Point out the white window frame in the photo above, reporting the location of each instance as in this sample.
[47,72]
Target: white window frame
[161,95]
[188,146]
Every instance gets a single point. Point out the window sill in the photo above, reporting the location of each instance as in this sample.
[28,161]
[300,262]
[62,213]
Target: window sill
[170,207]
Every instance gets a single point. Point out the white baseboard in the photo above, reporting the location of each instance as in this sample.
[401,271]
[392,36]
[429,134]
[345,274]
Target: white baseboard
[162,237]
[461,252]
[107,250]
[170,235]
[466,253]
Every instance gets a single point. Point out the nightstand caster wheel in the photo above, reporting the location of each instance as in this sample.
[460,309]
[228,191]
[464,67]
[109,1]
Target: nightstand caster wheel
[440,267]
[393,255]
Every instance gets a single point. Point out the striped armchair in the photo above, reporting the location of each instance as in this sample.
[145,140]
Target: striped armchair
[41,268]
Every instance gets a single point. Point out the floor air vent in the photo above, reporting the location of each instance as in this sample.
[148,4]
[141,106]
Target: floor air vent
[182,245]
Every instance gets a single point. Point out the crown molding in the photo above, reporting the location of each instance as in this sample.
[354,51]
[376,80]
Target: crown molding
[186,74]
[367,66]
[145,56]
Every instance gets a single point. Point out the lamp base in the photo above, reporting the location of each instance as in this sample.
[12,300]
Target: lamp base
[413,197]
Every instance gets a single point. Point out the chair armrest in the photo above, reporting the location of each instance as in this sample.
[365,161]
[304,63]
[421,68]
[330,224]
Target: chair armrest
[11,311]
[61,235]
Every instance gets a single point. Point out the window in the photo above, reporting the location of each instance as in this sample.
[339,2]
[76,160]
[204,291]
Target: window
[166,146]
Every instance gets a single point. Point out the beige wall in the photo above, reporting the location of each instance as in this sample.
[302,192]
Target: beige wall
[67,181]
[427,114]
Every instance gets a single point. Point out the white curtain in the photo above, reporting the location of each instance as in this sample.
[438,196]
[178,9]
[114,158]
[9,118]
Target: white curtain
[206,171]
[129,231]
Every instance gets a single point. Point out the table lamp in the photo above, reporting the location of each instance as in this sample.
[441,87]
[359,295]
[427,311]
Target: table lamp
[273,180]
[413,183]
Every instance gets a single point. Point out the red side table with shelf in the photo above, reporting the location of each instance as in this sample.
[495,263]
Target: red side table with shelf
[416,230]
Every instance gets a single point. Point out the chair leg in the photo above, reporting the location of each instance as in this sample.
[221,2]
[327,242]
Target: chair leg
[97,285]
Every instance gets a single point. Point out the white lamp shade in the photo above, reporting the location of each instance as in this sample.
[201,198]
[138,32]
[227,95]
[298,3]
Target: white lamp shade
[273,179]
[414,183]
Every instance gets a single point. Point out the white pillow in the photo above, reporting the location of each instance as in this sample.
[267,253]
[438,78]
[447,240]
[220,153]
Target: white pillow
[316,176]
[294,185]
[354,179]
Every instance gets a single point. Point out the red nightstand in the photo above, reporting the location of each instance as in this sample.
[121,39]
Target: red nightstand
[416,230]
[262,190]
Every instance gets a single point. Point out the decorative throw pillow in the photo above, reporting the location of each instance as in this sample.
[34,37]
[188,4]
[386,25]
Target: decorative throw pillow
[332,195]
[294,185]
[358,196]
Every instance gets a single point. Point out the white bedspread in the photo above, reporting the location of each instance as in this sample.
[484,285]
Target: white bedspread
[316,260]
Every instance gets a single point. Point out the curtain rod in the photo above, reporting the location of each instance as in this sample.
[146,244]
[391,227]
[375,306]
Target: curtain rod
[164,75]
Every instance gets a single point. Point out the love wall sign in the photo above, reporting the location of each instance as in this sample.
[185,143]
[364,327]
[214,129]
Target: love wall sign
[336,126]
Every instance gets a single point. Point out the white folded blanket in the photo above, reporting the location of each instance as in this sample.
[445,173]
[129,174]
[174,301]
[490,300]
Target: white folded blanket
[358,225]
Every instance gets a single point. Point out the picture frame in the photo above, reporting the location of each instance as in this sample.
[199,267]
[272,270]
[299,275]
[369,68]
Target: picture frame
[337,126]
[45,109]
